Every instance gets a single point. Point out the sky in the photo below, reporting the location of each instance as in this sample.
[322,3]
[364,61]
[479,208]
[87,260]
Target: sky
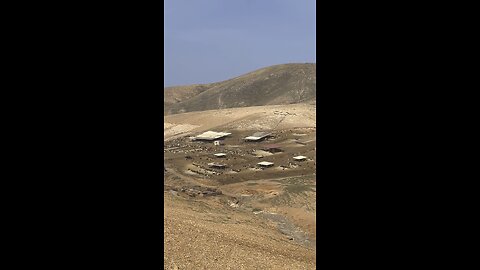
[208,41]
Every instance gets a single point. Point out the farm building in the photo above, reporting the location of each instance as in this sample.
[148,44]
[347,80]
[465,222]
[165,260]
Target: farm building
[300,158]
[220,155]
[265,164]
[217,165]
[211,136]
[258,136]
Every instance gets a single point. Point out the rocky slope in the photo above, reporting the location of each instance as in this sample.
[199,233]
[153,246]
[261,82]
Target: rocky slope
[275,85]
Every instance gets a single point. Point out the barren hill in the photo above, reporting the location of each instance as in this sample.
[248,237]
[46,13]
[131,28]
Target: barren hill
[275,85]
[271,117]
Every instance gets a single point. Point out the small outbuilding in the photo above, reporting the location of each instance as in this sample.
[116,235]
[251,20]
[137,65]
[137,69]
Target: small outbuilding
[217,165]
[258,136]
[300,158]
[220,155]
[211,136]
[265,164]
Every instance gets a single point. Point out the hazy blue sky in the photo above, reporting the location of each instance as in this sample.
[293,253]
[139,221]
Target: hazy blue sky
[214,40]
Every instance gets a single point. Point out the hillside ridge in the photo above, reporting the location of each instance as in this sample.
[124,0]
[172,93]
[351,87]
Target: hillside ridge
[274,85]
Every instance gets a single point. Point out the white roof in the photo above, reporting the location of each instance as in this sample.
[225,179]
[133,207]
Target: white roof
[252,138]
[257,136]
[265,163]
[220,155]
[212,135]
[216,165]
[300,157]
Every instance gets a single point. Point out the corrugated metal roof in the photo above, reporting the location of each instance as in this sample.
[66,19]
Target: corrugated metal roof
[212,135]
[257,136]
[265,163]
[216,165]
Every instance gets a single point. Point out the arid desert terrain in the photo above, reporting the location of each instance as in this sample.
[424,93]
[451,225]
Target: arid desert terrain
[228,212]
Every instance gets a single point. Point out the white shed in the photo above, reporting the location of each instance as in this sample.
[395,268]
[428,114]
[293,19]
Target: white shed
[265,164]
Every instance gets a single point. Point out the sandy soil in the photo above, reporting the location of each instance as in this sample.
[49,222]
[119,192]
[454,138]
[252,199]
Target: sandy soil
[249,118]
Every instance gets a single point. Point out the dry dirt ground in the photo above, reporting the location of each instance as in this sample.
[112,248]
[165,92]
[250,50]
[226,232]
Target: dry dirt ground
[241,216]
[250,118]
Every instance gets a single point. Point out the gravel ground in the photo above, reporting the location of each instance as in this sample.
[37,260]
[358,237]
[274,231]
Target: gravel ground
[196,240]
